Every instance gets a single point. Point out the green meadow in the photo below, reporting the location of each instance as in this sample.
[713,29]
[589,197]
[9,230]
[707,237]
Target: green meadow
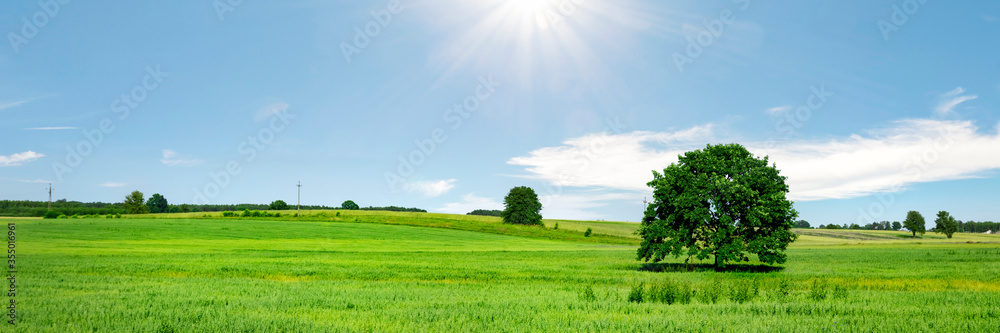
[379,271]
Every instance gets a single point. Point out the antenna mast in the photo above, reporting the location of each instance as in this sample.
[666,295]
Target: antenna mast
[50,196]
[298,203]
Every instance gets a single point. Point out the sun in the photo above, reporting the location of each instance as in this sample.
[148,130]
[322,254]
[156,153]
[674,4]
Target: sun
[527,7]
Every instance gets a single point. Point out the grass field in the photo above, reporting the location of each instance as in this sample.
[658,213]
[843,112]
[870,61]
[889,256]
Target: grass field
[468,273]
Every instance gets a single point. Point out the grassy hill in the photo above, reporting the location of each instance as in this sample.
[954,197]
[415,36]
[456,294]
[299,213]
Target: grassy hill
[318,274]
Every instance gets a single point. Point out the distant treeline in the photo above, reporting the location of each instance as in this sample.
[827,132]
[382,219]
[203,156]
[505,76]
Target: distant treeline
[970,226]
[25,208]
[485,212]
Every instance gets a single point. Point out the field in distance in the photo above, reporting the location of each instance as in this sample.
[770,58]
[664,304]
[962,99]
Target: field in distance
[471,273]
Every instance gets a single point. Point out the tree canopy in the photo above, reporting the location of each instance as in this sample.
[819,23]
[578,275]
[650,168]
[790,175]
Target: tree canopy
[719,201]
[278,205]
[134,203]
[350,205]
[915,223]
[521,206]
[157,204]
[945,223]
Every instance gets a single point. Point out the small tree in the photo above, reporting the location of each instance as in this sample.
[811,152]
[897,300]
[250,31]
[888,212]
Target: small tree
[802,224]
[522,207]
[915,223]
[350,205]
[157,204]
[278,205]
[135,204]
[945,223]
[719,202]
[896,226]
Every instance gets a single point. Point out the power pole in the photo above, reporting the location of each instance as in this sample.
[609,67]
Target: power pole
[50,196]
[644,203]
[298,203]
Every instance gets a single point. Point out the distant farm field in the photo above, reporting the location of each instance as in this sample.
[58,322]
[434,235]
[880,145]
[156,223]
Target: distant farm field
[390,272]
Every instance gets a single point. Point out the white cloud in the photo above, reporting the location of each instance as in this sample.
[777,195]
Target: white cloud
[881,160]
[170,159]
[9,105]
[19,158]
[50,128]
[952,99]
[266,112]
[470,202]
[778,110]
[111,184]
[431,188]
[36,181]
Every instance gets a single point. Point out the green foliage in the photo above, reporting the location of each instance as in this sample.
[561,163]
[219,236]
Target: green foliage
[635,294]
[522,207]
[719,202]
[349,205]
[62,216]
[556,227]
[744,292]
[278,205]
[157,204]
[839,292]
[588,295]
[914,223]
[896,225]
[135,204]
[802,224]
[228,214]
[945,223]
[588,232]
[818,290]
[485,212]
[712,292]
[246,213]
[670,292]
[51,214]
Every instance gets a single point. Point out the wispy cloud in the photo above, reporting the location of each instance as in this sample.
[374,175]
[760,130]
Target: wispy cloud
[880,160]
[270,110]
[8,105]
[170,158]
[778,110]
[952,99]
[50,128]
[470,202]
[36,181]
[111,184]
[431,188]
[578,206]
[19,158]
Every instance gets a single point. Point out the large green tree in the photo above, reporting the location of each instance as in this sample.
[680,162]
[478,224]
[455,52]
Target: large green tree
[350,205]
[719,201]
[945,223]
[135,204]
[157,204]
[915,223]
[521,206]
[278,205]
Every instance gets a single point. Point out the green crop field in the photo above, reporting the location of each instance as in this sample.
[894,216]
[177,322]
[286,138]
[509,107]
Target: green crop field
[378,271]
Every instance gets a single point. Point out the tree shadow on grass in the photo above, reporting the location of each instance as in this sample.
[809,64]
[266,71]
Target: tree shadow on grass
[682,267]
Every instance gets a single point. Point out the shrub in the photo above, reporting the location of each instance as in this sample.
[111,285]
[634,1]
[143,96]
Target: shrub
[711,293]
[635,295]
[109,216]
[670,292]
[338,214]
[246,213]
[818,290]
[277,214]
[51,214]
[742,292]
[556,227]
[839,292]
[62,216]
[784,288]
[118,215]
[588,232]
[588,294]
[228,214]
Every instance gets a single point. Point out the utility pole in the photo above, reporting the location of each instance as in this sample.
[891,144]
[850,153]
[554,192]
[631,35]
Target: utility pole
[298,203]
[50,196]
[644,203]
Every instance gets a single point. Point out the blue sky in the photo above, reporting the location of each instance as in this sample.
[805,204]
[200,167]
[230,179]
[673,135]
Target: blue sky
[871,108]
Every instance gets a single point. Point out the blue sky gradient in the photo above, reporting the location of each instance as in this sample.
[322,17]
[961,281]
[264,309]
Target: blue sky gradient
[871,108]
